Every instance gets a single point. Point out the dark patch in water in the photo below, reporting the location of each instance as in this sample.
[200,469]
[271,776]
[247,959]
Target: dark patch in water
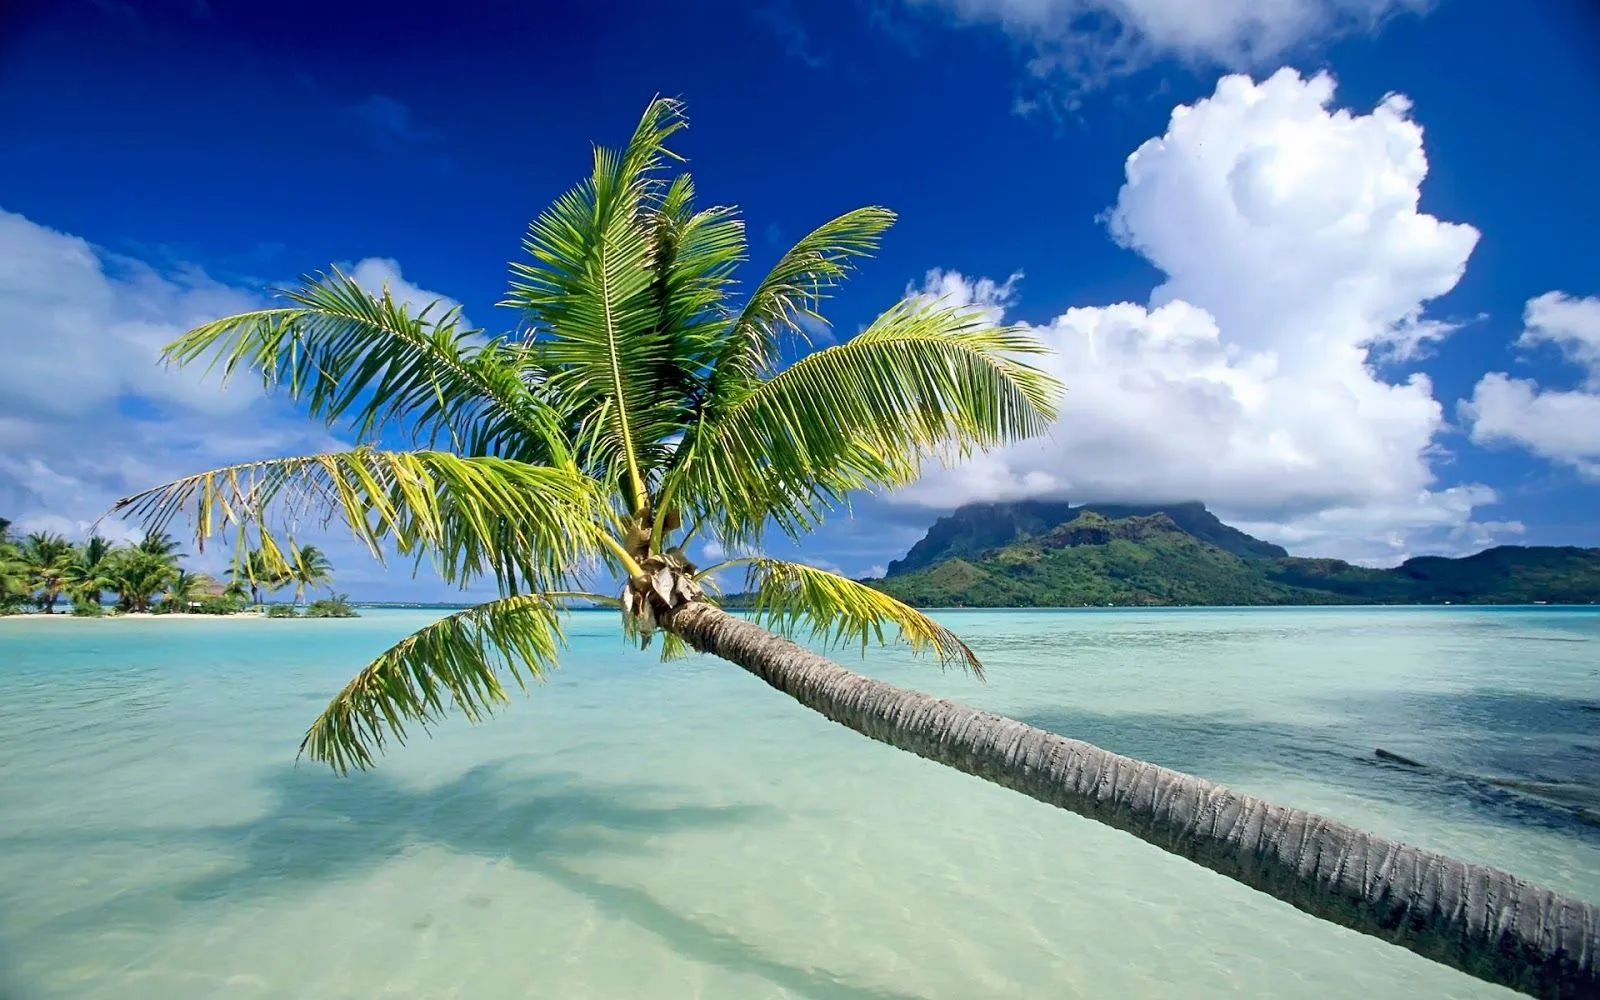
[1464,739]
[1582,801]
[1395,758]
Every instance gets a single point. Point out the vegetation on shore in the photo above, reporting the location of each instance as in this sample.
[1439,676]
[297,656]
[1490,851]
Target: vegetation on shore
[45,571]
[1007,555]
[332,606]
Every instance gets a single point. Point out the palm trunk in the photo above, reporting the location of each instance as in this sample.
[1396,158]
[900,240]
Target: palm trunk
[1485,922]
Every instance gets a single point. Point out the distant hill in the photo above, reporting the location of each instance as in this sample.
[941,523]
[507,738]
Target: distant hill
[1007,555]
[978,528]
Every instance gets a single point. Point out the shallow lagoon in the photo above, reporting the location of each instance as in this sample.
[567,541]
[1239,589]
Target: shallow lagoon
[639,829]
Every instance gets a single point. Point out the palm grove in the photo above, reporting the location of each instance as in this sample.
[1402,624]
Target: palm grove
[45,570]
[641,405]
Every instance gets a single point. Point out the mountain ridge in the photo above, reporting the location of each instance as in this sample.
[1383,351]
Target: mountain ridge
[973,529]
[1183,554]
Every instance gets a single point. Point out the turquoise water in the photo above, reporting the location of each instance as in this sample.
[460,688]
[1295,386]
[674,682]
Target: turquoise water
[639,829]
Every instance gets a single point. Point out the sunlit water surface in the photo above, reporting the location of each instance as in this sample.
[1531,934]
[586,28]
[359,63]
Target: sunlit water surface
[639,829]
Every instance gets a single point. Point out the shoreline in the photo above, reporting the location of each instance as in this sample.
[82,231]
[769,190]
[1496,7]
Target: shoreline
[132,616]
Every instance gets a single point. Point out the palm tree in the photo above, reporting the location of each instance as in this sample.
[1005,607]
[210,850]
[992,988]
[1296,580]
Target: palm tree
[308,567]
[13,572]
[641,406]
[136,576]
[46,557]
[262,568]
[235,591]
[89,573]
[159,543]
[183,590]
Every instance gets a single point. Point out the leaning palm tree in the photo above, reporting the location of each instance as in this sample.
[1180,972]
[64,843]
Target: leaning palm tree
[308,567]
[641,406]
[46,557]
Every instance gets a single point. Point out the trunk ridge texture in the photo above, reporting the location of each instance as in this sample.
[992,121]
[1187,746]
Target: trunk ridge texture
[1477,919]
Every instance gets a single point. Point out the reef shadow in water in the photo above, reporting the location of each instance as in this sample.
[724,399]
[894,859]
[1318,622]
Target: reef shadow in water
[1511,759]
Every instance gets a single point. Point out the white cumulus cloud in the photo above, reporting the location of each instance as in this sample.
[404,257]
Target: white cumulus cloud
[1088,42]
[87,412]
[1296,259]
[375,274]
[80,328]
[1560,425]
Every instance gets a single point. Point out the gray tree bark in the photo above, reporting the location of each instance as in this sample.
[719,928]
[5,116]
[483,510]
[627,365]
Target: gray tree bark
[1483,921]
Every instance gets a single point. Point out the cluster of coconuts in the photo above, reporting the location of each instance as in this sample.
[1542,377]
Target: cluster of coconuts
[667,581]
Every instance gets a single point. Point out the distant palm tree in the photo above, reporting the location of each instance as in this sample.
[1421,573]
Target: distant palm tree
[89,572]
[158,543]
[308,567]
[13,571]
[235,590]
[643,404]
[262,569]
[183,590]
[46,557]
[137,577]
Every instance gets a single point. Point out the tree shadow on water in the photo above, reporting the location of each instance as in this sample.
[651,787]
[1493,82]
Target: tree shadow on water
[321,829]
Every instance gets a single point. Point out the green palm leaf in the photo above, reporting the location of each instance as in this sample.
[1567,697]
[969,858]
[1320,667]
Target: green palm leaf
[350,354]
[459,660]
[790,597]
[791,292]
[923,380]
[694,257]
[590,295]
[530,526]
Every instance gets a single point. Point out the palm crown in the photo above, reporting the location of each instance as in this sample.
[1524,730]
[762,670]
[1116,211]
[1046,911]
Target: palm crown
[640,404]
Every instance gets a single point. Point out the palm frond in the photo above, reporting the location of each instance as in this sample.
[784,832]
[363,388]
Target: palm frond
[792,597]
[530,526]
[349,354]
[460,660]
[674,648]
[790,294]
[924,380]
[589,295]
[694,257]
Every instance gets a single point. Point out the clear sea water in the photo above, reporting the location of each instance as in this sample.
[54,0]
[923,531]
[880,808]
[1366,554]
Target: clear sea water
[636,829]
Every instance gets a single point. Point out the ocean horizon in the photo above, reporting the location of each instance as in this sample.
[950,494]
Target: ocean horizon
[639,828]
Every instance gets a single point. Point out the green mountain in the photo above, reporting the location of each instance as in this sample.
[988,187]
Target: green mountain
[982,527]
[1182,554]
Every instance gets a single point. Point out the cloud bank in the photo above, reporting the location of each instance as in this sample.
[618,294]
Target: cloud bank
[87,412]
[1297,262]
[1560,425]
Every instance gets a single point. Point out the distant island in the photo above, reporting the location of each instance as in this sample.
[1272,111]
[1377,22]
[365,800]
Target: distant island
[1051,554]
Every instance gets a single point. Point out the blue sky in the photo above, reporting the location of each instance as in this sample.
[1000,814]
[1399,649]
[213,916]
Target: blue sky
[1359,324]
